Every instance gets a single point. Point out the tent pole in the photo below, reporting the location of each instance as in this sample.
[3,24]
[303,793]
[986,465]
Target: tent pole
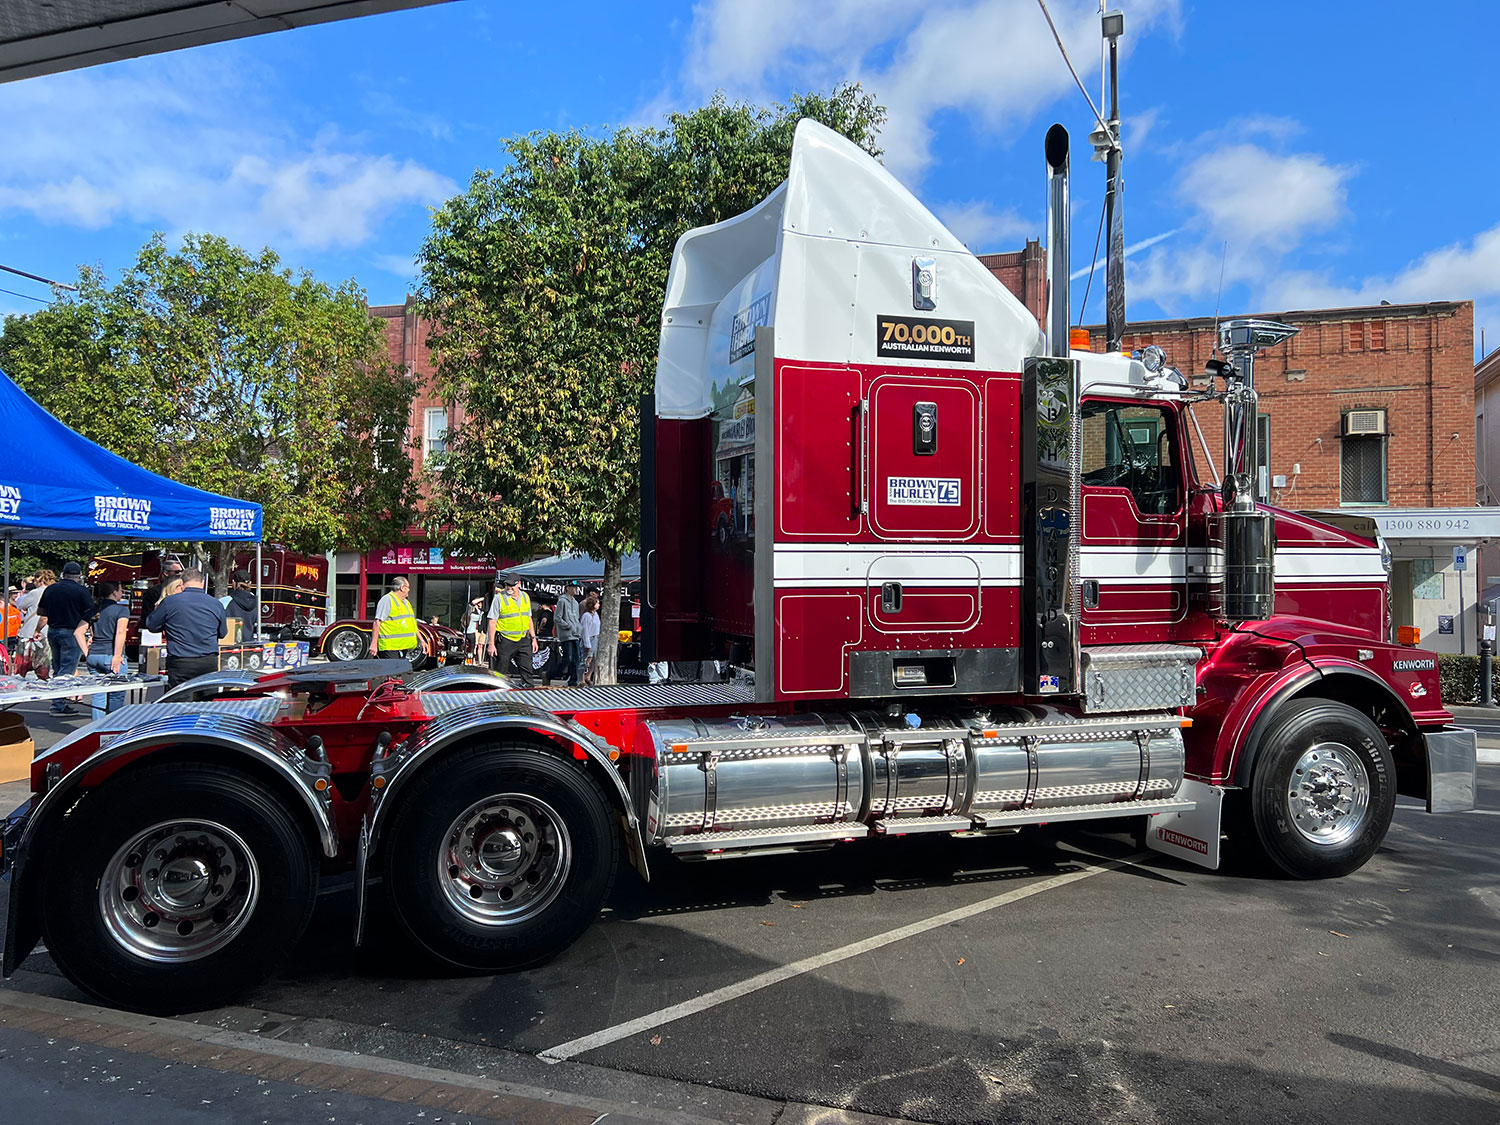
[260,612]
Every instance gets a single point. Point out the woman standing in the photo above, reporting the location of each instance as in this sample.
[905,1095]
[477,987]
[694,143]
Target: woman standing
[36,650]
[106,654]
[589,636]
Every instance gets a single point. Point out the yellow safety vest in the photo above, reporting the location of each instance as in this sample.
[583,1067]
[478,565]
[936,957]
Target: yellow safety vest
[399,630]
[515,616]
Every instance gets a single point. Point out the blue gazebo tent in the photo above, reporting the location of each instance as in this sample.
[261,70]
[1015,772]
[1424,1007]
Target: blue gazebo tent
[56,484]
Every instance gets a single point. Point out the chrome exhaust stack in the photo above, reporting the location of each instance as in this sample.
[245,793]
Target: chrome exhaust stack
[1249,583]
[1059,290]
[1051,487]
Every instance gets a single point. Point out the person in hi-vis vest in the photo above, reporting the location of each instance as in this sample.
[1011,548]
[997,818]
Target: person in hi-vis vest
[395,632]
[512,631]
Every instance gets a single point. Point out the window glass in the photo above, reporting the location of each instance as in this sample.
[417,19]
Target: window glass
[1362,470]
[1426,580]
[1134,447]
[436,436]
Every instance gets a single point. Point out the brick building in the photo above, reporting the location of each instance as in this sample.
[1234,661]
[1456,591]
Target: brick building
[1365,410]
[443,584]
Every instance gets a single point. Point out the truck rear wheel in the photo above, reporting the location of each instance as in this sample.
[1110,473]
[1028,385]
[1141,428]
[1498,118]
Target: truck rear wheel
[500,856]
[177,887]
[1323,790]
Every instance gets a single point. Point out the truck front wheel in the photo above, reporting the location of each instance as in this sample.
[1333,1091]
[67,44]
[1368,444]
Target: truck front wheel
[500,856]
[1323,789]
[176,887]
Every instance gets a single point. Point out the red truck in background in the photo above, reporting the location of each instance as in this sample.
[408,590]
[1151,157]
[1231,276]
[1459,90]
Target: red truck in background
[294,587]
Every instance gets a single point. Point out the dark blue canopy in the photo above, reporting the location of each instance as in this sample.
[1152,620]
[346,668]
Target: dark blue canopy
[56,484]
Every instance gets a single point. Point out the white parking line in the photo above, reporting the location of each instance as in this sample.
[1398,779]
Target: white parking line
[809,964]
[1423,808]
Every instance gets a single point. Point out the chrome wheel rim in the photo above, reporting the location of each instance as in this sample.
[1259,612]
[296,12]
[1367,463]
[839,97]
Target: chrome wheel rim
[348,646]
[504,859]
[1329,794]
[179,890]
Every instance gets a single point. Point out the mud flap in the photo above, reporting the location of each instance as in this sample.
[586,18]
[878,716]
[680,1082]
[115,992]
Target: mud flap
[360,864]
[1191,835]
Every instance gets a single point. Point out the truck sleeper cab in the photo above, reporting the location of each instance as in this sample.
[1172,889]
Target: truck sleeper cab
[980,586]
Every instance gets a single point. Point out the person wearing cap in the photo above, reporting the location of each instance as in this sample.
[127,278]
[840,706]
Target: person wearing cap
[241,603]
[395,633]
[67,608]
[510,619]
[568,625]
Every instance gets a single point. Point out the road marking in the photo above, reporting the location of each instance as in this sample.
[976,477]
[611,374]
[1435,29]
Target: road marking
[810,964]
[1477,812]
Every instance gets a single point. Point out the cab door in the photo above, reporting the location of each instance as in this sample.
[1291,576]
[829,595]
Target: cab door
[1133,562]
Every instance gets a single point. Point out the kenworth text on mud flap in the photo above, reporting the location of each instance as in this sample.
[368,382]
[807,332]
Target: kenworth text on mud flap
[982,583]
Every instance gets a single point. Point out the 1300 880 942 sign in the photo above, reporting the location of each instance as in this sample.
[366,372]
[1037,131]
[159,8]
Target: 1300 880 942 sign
[915,337]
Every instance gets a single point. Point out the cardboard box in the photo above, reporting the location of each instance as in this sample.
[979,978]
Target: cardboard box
[153,661]
[16,748]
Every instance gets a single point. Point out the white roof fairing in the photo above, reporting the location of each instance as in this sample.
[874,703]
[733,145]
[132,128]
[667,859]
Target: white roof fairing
[820,259]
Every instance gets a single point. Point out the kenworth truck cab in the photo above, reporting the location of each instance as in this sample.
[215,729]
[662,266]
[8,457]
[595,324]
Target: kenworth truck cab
[981,583]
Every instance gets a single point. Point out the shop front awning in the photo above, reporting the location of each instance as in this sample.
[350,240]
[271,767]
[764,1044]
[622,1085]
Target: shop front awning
[1427,525]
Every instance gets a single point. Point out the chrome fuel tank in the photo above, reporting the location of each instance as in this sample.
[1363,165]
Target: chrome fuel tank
[749,773]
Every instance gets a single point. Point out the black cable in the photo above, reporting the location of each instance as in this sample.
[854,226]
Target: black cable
[1093,262]
[28,296]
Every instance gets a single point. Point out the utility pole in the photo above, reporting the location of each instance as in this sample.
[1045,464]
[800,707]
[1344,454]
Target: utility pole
[1113,26]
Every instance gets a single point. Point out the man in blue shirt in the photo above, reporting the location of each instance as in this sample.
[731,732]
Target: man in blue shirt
[67,609]
[192,624]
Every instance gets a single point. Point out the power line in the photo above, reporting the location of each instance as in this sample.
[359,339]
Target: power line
[27,296]
[38,277]
[1114,141]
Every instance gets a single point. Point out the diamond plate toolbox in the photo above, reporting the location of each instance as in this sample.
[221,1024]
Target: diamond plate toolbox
[1139,677]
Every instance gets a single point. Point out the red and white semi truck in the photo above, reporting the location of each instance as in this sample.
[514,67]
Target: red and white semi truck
[983,583]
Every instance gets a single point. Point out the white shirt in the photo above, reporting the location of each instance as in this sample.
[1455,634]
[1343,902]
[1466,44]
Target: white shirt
[27,604]
[590,624]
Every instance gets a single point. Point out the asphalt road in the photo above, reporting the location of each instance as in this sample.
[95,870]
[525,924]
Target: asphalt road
[1012,979]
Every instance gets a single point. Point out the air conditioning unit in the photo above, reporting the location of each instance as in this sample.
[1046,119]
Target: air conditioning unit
[1359,423]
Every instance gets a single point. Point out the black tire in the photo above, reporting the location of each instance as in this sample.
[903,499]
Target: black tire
[1331,752]
[343,636]
[84,854]
[510,775]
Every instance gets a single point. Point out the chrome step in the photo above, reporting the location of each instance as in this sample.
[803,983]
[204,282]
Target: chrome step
[1081,812]
[910,825]
[700,842]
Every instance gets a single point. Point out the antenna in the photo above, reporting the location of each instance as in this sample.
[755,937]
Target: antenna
[1219,300]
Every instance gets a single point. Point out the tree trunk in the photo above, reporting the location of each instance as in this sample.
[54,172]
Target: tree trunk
[607,659]
[219,567]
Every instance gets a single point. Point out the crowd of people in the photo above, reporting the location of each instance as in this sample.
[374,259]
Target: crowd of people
[53,624]
[504,633]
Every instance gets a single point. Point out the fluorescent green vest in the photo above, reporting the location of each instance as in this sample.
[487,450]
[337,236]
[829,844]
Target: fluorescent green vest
[399,631]
[515,616]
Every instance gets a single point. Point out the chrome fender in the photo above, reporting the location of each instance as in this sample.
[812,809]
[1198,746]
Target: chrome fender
[220,730]
[463,723]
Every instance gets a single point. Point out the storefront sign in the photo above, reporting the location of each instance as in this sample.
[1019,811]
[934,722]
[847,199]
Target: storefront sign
[1468,525]
[421,558]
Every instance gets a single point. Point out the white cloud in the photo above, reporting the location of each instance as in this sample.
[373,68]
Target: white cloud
[180,143]
[1250,193]
[993,60]
[983,229]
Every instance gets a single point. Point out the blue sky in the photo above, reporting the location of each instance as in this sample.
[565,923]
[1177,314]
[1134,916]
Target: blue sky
[1327,153]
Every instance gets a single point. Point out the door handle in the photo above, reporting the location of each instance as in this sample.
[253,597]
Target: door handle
[1090,593]
[890,597]
[860,467]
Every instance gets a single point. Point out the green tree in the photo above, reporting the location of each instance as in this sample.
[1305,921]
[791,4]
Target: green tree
[223,370]
[544,282]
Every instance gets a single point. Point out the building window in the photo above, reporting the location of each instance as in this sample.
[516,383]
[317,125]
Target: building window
[1362,470]
[435,432]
